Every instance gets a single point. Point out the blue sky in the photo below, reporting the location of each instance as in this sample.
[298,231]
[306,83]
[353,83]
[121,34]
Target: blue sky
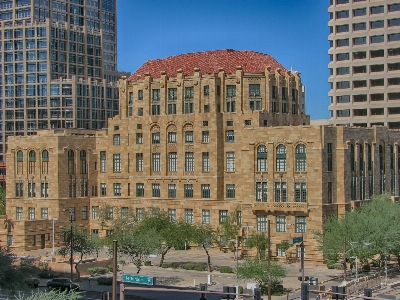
[294,32]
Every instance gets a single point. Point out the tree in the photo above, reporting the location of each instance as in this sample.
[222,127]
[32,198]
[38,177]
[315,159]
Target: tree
[51,295]
[12,271]
[136,244]
[229,229]
[203,236]
[373,223]
[255,269]
[258,241]
[172,233]
[2,201]
[82,245]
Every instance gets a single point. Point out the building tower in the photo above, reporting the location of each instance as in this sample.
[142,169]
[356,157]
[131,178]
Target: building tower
[364,62]
[58,62]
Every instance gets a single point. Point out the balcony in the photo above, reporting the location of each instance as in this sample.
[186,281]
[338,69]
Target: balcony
[280,206]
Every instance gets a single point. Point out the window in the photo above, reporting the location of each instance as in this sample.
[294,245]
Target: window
[261,223]
[342,56]
[300,251]
[377,82]
[230,161]
[230,98]
[71,162]
[330,192]
[377,53]
[205,216]
[139,138]
[394,67]
[189,161]
[172,162]
[155,137]
[189,92]
[206,90]
[156,160]
[377,10]
[171,190]
[359,55]
[342,28]
[329,152]
[116,163]
[45,162]
[223,215]
[84,212]
[139,189]
[342,14]
[95,212]
[31,213]
[32,162]
[262,191]
[18,213]
[359,41]
[172,137]
[280,191]
[377,68]
[188,136]
[206,108]
[188,190]
[140,213]
[188,101]
[359,26]
[281,158]
[44,189]
[280,223]
[117,189]
[172,214]
[205,162]
[342,85]
[262,158]
[205,191]
[301,224]
[393,37]
[377,97]
[343,99]
[377,24]
[82,158]
[230,191]
[230,136]
[343,71]
[103,162]
[342,42]
[205,136]
[189,215]
[377,39]
[342,1]
[394,7]
[229,123]
[359,12]
[103,189]
[300,192]
[44,212]
[155,190]
[172,94]
[301,158]
[31,188]
[394,81]
[139,162]
[116,140]
[247,122]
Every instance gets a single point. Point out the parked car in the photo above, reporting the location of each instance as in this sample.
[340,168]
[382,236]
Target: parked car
[32,282]
[62,284]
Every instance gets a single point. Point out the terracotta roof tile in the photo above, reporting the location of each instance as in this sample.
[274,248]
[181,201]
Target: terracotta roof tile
[209,62]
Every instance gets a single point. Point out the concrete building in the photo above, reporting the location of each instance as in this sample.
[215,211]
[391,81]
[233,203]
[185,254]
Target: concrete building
[201,135]
[364,62]
[58,62]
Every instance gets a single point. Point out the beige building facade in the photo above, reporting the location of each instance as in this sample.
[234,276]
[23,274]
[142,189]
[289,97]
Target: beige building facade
[201,143]
[364,62]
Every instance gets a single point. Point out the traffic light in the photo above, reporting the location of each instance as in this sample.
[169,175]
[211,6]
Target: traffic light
[304,291]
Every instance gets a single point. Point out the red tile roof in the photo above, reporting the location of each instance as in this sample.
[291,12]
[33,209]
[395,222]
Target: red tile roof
[208,62]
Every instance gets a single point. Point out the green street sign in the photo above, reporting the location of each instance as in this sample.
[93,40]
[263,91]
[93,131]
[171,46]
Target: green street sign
[140,279]
[295,240]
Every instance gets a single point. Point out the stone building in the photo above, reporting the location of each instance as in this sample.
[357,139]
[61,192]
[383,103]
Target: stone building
[201,135]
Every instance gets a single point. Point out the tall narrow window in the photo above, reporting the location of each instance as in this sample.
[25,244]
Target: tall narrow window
[189,161]
[172,137]
[45,162]
[262,191]
[116,163]
[301,224]
[32,162]
[329,150]
[156,162]
[205,216]
[205,191]
[188,101]
[155,137]
[230,191]
[261,223]
[172,161]
[189,215]
[188,190]
[155,190]
[82,156]
[300,192]
[139,162]
[31,188]
[103,162]
[71,162]
[139,189]
[262,158]
[206,161]
[281,158]
[230,161]
[330,192]
[172,97]
[280,191]
[230,98]
[172,190]
[254,97]
[155,102]
[19,188]
[172,214]
[280,223]
[20,162]
[44,189]
[301,158]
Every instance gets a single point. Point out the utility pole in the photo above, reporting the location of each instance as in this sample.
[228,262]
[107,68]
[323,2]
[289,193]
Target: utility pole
[71,243]
[115,266]
[302,256]
[269,259]
[344,258]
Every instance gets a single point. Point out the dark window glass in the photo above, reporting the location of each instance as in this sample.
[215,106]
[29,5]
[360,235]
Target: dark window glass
[359,26]
[359,12]
[394,67]
[360,98]
[360,41]
[342,28]
[359,55]
[343,71]
[393,37]
[377,82]
[359,69]
[377,10]
[342,56]
[394,22]
[377,39]
[394,52]
[377,68]
[342,14]
[342,43]
[377,53]
[343,99]
[394,7]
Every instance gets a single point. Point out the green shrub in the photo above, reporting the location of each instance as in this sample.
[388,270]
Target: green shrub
[174,265]
[330,264]
[194,266]
[366,268]
[240,289]
[104,280]
[182,246]
[165,265]
[97,271]
[225,269]
[147,263]
[224,250]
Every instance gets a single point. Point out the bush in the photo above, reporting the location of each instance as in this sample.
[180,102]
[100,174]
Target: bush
[147,263]
[104,280]
[165,265]
[366,268]
[330,264]
[225,269]
[97,271]
[174,265]
[194,266]
[182,246]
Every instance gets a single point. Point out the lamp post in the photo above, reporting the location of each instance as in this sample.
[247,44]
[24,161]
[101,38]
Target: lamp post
[356,259]
[53,219]
[237,265]
[301,251]
[71,211]
[269,259]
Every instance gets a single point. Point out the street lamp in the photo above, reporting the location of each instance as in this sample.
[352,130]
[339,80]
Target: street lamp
[71,211]
[301,252]
[53,219]
[237,265]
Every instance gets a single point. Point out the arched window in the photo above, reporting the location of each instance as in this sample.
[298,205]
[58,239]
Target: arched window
[45,162]
[82,156]
[281,158]
[352,158]
[381,159]
[262,158]
[361,157]
[391,157]
[369,150]
[301,158]
[20,161]
[71,162]
[32,162]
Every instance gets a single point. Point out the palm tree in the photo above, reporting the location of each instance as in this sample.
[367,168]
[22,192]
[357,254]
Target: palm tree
[9,225]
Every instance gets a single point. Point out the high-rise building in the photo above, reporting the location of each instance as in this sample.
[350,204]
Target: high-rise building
[365,62]
[57,66]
